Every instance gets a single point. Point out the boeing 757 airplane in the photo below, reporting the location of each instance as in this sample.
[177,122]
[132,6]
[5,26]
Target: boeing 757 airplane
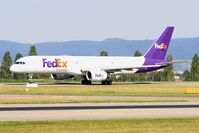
[97,68]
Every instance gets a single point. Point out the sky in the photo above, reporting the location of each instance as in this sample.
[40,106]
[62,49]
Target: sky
[34,21]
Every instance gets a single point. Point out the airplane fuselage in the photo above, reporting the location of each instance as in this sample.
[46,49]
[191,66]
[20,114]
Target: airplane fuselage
[97,68]
[74,65]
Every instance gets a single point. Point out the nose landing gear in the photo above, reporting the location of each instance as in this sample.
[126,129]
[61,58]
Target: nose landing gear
[30,79]
[30,83]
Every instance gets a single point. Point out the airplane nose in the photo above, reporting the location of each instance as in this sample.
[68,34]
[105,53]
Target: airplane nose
[12,68]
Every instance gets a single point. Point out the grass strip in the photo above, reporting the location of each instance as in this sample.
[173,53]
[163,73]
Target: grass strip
[183,125]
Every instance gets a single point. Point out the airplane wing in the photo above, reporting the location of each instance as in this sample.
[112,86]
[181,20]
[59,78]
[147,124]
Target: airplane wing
[130,68]
[120,68]
[162,64]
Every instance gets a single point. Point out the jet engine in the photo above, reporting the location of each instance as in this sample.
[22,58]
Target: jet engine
[96,75]
[61,76]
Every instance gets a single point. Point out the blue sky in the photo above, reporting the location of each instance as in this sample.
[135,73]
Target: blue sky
[32,21]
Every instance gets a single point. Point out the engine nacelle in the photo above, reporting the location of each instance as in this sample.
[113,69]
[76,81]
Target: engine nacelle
[96,75]
[61,76]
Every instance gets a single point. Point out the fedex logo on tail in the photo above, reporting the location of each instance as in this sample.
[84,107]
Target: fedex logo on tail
[161,46]
[57,63]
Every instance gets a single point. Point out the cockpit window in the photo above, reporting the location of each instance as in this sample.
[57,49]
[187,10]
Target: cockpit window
[20,62]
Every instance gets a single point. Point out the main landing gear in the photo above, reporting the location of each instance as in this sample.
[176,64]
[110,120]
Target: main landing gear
[106,82]
[88,82]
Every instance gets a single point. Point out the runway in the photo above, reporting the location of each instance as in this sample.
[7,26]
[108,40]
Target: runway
[48,108]
[97,111]
[181,107]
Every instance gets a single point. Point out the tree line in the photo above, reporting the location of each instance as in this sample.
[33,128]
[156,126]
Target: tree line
[167,74]
[193,74]
[5,72]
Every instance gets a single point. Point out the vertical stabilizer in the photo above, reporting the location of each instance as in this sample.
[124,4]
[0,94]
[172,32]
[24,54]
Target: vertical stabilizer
[160,46]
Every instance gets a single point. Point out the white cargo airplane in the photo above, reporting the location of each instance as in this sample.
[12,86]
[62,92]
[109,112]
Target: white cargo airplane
[97,68]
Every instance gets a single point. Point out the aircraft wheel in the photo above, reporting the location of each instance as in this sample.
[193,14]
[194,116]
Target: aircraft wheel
[109,82]
[86,82]
[106,82]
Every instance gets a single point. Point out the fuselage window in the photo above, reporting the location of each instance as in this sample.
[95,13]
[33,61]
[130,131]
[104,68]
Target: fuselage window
[20,63]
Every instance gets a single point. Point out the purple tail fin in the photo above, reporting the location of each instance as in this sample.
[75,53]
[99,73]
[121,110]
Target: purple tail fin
[160,46]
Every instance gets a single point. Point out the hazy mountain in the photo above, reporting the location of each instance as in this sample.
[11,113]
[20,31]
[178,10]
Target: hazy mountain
[182,48]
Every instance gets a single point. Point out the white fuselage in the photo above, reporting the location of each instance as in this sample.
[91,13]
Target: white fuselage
[97,68]
[73,65]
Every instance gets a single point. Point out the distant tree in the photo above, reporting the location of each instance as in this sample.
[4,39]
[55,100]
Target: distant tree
[18,56]
[186,75]
[137,53]
[139,76]
[195,68]
[168,74]
[158,76]
[103,53]
[5,66]
[16,75]
[32,51]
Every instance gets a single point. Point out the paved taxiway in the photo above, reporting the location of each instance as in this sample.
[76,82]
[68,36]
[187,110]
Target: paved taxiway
[34,112]
[97,111]
[117,98]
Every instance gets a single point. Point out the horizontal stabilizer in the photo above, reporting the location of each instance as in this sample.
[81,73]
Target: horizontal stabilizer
[171,62]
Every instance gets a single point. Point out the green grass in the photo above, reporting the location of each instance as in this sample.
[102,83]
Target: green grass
[52,94]
[186,125]
[151,89]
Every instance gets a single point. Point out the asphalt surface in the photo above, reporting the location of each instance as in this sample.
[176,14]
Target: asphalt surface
[39,108]
[100,111]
